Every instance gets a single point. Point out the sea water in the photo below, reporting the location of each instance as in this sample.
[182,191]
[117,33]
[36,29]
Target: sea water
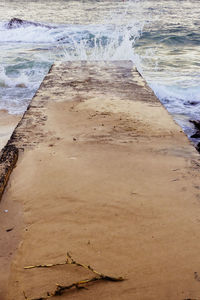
[162,38]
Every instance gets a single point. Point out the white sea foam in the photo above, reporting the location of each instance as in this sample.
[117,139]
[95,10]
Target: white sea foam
[6,81]
[28,34]
[179,100]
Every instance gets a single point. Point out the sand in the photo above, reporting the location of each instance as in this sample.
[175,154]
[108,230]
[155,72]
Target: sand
[107,175]
[8,243]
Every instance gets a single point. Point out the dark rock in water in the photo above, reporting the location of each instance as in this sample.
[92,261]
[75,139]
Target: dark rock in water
[15,23]
[193,102]
[21,85]
[196,135]
[61,39]
[196,123]
[198,147]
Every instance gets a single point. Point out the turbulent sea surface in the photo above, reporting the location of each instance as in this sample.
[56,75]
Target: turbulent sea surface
[162,38]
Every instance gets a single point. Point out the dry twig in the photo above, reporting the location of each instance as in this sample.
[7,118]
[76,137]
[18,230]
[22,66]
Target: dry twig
[79,284]
[102,276]
[46,266]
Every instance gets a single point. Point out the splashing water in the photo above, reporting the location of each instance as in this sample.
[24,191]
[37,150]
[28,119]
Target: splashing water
[30,49]
[111,41]
[108,44]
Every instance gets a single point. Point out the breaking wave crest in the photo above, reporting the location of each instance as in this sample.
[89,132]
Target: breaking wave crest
[38,45]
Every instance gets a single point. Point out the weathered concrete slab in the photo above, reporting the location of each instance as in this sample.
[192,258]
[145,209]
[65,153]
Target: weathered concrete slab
[104,172]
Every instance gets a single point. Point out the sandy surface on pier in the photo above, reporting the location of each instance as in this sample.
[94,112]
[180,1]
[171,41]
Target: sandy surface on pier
[114,182]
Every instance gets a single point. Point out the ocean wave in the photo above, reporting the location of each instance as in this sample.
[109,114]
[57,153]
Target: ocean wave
[18,84]
[32,32]
[28,34]
[176,98]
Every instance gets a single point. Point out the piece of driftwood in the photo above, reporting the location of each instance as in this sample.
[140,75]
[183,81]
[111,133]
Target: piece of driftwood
[60,289]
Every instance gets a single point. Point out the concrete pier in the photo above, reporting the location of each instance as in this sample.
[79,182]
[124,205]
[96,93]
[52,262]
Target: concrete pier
[103,172]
